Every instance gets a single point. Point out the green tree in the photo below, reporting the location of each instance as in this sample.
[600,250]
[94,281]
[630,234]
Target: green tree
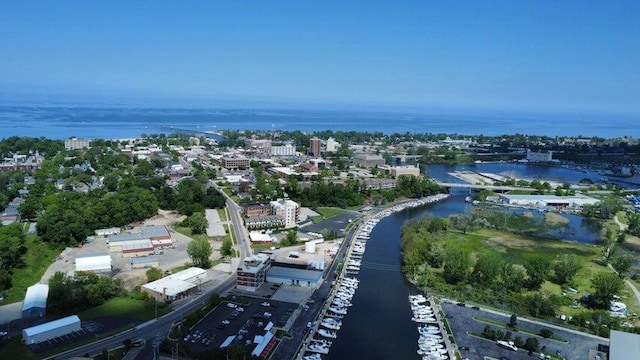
[487,268]
[292,238]
[199,250]
[226,248]
[198,223]
[537,268]
[566,267]
[513,321]
[605,286]
[621,265]
[154,274]
[456,265]
[511,279]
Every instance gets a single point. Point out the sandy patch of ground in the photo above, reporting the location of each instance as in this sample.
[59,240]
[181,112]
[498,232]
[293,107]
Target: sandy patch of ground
[555,218]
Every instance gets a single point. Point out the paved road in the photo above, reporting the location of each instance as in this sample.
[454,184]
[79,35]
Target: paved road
[158,328]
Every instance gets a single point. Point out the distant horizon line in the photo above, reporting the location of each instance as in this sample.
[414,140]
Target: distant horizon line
[324,106]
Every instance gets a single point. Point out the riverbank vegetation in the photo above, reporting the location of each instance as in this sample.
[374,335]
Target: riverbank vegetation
[509,261]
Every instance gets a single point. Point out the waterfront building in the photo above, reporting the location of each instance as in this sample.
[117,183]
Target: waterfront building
[540,201]
[408,170]
[378,184]
[533,156]
[294,276]
[314,146]
[252,273]
[76,144]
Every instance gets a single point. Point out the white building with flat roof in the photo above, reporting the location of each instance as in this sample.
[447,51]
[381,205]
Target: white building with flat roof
[288,209]
[51,330]
[176,286]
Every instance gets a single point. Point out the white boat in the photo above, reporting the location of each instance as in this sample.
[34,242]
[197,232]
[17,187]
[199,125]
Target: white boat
[424,319]
[314,356]
[318,348]
[332,334]
[331,323]
[338,310]
[341,302]
[427,329]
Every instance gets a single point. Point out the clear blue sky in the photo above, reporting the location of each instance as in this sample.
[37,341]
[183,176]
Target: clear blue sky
[570,55]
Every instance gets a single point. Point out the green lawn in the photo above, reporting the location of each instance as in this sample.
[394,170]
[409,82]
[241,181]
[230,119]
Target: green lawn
[222,214]
[38,258]
[187,232]
[124,307]
[328,212]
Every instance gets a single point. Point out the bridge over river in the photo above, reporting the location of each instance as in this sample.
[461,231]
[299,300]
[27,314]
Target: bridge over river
[483,186]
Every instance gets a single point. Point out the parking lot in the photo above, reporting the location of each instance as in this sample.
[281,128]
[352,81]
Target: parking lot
[463,320]
[335,223]
[88,329]
[243,318]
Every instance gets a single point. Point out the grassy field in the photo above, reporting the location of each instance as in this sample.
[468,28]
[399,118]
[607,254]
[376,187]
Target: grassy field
[222,214]
[187,232]
[37,259]
[124,307]
[516,249]
[328,212]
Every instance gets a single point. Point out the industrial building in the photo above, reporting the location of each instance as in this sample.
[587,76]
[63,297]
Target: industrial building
[35,301]
[107,232]
[533,156]
[143,262]
[294,276]
[252,273]
[140,243]
[94,263]
[51,330]
[542,201]
[623,345]
[176,286]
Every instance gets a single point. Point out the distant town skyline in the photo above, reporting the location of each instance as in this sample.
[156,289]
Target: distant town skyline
[543,55]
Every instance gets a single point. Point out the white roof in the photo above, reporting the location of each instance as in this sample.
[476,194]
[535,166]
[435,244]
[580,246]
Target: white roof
[93,263]
[39,329]
[36,297]
[174,284]
[259,237]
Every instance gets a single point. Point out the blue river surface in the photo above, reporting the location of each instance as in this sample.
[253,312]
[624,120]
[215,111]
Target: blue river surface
[378,325]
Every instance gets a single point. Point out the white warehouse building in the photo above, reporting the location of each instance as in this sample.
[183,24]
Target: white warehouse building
[50,330]
[35,301]
[94,263]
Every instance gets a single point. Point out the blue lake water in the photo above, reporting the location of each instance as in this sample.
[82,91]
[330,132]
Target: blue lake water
[61,122]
